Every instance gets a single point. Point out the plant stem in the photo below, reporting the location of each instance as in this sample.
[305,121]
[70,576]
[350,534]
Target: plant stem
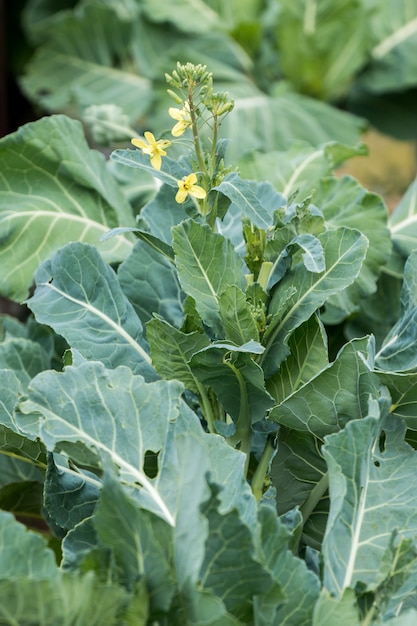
[207,409]
[315,495]
[258,479]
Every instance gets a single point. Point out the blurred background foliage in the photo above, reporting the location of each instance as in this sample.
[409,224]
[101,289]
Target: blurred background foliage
[309,70]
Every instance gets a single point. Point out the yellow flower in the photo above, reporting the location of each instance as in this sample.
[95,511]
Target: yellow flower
[187,186]
[155,149]
[183,117]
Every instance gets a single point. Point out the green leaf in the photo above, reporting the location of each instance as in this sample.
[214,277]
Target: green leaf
[76,67]
[371,496]
[53,189]
[170,171]
[308,356]
[144,549]
[403,221]
[344,251]
[397,352]
[242,194]
[111,415]
[70,494]
[329,610]
[33,590]
[207,264]
[230,541]
[79,296]
[298,169]
[273,123]
[26,358]
[296,469]
[393,63]
[150,283]
[189,15]
[335,396]
[300,585]
[171,351]
[332,43]
[344,202]
[235,377]
[237,316]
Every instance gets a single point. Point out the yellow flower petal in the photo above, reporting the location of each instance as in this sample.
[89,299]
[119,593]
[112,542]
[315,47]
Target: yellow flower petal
[139,143]
[181,196]
[156,160]
[197,192]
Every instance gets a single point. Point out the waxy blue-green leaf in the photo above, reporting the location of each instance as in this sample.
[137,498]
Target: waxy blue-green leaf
[237,316]
[297,468]
[207,264]
[235,377]
[171,170]
[344,202]
[34,590]
[26,358]
[79,296]
[76,67]
[403,221]
[171,351]
[242,194]
[144,549]
[371,497]
[298,169]
[300,585]
[392,65]
[332,41]
[150,282]
[344,250]
[161,213]
[402,387]
[70,495]
[398,352]
[308,356]
[54,189]
[329,610]
[231,541]
[110,412]
[334,396]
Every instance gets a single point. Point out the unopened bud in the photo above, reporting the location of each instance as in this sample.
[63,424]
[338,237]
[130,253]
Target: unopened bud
[175,96]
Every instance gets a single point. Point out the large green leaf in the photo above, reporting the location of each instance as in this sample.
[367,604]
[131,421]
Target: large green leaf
[393,65]
[371,498]
[403,221]
[79,296]
[150,282]
[295,172]
[398,352]
[273,123]
[308,356]
[207,264]
[322,44]
[344,250]
[33,590]
[344,202]
[53,189]
[171,351]
[300,585]
[79,66]
[335,396]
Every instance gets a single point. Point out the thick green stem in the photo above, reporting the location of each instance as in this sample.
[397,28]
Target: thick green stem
[315,495]
[259,476]
[243,432]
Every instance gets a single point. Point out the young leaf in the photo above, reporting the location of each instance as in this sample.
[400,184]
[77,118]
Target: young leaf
[171,351]
[237,316]
[207,264]
[79,296]
[344,251]
[61,192]
[242,194]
